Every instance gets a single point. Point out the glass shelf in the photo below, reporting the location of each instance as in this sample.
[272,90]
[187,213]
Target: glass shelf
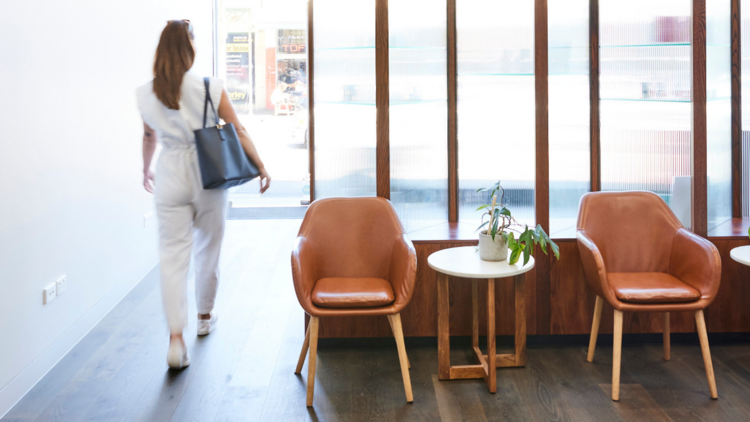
[396,47]
[653,100]
[566,47]
[495,74]
[663,44]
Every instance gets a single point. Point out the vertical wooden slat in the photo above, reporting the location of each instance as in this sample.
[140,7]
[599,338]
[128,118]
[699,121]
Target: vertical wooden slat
[700,132]
[542,160]
[311,97]
[736,111]
[595,150]
[452,113]
[382,100]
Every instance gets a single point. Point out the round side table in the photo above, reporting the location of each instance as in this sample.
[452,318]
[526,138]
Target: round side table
[741,255]
[464,263]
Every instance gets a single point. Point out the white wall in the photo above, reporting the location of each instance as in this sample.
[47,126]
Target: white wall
[71,199]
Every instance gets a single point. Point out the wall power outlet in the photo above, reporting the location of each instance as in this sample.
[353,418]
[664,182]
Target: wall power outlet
[50,293]
[62,285]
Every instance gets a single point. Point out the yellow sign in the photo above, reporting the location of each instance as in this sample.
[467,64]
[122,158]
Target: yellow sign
[238,48]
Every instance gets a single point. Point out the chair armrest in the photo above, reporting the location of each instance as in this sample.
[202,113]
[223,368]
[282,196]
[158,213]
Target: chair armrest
[594,268]
[696,262]
[304,273]
[403,271]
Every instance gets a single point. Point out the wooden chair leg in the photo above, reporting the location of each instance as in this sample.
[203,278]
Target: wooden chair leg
[667,346]
[398,332]
[390,321]
[616,356]
[303,353]
[595,327]
[700,323]
[312,359]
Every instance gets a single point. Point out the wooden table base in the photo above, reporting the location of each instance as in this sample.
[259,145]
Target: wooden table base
[487,362]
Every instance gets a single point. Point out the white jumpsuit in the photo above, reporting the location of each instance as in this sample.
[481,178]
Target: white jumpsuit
[190,218]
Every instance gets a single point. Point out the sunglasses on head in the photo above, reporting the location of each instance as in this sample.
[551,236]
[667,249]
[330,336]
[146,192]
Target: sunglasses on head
[187,21]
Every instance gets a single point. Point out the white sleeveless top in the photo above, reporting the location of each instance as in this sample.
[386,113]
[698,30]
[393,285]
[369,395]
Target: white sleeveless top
[174,128]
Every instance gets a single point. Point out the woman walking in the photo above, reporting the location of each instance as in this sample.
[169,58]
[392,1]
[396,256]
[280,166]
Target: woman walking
[190,218]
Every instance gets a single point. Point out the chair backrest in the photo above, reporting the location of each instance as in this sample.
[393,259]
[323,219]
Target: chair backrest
[633,230]
[352,237]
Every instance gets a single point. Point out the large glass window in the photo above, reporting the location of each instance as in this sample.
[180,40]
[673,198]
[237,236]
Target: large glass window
[345,114]
[262,57]
[645,91]
[569,107]
[719,111]
[418,111]
[496,109]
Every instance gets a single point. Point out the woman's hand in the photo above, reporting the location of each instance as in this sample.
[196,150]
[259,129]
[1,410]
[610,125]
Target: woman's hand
[148,181]
[264,176]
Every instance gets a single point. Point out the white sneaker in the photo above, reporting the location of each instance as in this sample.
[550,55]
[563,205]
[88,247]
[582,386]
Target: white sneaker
[177,357]
[205,326]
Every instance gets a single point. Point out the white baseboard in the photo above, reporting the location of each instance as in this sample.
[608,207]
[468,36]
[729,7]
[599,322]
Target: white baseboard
[22,383]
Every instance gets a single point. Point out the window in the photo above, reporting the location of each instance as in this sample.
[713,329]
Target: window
[569,107]
[496,109]
[418,111]
[262,57]
[719,111]
[345,137]
[645,91]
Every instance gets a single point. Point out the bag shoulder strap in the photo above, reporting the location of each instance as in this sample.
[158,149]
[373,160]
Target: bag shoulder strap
[206,102]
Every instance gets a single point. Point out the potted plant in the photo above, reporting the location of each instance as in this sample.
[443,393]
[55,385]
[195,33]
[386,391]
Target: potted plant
[501,231]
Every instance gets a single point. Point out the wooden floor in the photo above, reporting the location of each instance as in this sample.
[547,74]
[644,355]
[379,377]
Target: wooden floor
[244,370]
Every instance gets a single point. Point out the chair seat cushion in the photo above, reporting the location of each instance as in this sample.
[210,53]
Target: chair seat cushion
[352,293]
[651,288]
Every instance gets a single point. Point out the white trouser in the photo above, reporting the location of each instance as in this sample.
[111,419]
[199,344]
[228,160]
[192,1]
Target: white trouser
[186,211]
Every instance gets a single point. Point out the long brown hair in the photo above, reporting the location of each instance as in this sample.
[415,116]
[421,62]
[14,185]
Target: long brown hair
[174,57]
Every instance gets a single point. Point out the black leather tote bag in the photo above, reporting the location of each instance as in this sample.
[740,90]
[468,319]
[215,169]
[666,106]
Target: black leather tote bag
[222,160]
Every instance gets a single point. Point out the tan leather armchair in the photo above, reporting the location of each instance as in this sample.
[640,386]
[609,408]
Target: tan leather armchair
[637,256]
[352,258]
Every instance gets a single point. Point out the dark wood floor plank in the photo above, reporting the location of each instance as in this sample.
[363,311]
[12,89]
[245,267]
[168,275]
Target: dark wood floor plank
[569,370]
[636,404]
[72,403]
[164,393]
[259,294]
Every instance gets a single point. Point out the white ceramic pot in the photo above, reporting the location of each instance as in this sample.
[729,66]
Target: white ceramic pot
[490,250]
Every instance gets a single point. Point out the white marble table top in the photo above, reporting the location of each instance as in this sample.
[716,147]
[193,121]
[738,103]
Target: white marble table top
[465,262]
[741,255]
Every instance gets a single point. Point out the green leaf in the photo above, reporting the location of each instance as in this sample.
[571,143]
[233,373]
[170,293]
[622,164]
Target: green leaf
[494,227]
[485,206]
[526,236]
[555,249]
[483,224]
[515,253]
[504,211]
[505,236]
[527,252]
[481,190]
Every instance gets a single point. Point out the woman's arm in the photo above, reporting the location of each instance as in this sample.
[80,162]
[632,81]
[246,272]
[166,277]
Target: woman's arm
[149,146]
[226,112]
